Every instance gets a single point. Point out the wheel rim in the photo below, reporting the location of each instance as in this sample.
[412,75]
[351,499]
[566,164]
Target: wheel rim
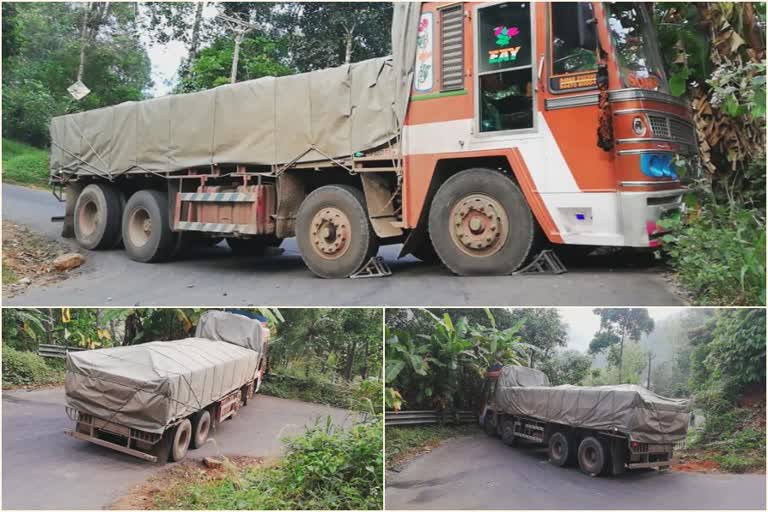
[205,424]
[590,456]
[183,442]
[479,225]
[557,449]
[330,233]
[89,218]
[140,227]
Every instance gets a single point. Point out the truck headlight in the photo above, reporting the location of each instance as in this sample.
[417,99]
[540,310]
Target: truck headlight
[657,165]
[638,126]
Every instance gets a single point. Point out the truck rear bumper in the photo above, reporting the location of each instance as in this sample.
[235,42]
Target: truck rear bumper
[114,446]
[657,464]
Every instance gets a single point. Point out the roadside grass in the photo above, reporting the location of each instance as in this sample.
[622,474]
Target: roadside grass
[359,395]
[326,468]
[27,369]
[406,442]
[24,164]
[9,276]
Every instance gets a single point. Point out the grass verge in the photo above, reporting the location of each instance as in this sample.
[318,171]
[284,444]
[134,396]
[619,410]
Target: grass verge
[24,164]
[359,395]
[27,369]
[327,468]
[406,442]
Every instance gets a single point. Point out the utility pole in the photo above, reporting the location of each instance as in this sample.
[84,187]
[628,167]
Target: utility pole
[240,28]
[648,382]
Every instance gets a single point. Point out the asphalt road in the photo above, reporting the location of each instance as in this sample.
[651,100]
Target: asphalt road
[45,469]
[479,472]
[212,277]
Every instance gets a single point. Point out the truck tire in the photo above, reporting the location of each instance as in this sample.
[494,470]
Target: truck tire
[201,428]
[489,425]
[508,431]
[252,246]
[333,232]
[592,456]
[147,231]
[182,436]
[98,211]
[559,449]
[480,223]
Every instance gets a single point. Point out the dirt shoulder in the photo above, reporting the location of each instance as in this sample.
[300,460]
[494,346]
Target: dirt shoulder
[28,259]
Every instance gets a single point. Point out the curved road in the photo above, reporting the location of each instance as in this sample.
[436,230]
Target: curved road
[212,277]
[479,472]
[45,469]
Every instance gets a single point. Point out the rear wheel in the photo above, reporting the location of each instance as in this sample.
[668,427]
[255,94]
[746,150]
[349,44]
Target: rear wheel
[252,246]
[480,223]
[592,456]
[333,231]
[97,215]
[508,431]
[559,449]
[201,428]
[182,437]
[147,231]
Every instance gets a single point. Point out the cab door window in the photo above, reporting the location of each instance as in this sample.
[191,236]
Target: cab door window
[505,71]
[573,46]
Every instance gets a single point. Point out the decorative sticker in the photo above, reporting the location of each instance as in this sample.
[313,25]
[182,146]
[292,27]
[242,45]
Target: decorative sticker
[507,53]
[425,73]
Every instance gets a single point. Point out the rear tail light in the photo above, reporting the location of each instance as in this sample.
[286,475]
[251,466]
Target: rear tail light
[634,445]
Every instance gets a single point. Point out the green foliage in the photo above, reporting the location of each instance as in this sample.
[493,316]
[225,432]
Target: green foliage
[403,441]
[24,164]
[28,369]
[719,255]
[325,469]
[442,366]
[618,325]
[361,395]
[567,367]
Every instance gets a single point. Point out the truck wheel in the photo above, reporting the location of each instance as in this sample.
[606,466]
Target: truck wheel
[592,456]
[201,428]
[480,223]
[98,211]
[508,431]
[489,425]
[252,246]
[559,449]
[182,436]
[147,231]
[334,234]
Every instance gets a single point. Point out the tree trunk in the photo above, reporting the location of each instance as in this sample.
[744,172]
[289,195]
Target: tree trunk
[195,42]
[348,44]
[83,40]
[648,382]
[621,358]
[235,58]
[350,361]
[364,373]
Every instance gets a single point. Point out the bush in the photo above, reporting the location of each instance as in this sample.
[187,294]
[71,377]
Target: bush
[324,469]
[29,369]
[361,395]
[719,255]
[24,164]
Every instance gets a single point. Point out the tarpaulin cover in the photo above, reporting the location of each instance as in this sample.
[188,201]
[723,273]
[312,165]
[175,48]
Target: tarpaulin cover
[232,328]
[151,385]
[268,121]
[645,416]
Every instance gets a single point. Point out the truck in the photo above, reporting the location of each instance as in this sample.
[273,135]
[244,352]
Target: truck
[605,429]
[493,131]
[157,400]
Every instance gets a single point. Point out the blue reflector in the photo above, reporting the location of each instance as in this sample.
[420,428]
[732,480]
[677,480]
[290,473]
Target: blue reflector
[580,216]
[657,165]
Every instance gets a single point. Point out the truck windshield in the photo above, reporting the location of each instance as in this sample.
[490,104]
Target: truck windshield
[635,46]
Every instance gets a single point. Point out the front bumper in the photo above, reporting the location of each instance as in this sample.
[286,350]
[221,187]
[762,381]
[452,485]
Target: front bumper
[640,213]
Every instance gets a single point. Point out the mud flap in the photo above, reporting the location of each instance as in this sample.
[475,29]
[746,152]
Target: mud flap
[618,454]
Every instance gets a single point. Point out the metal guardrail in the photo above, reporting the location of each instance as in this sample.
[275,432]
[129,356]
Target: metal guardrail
[428,417]
[57,351]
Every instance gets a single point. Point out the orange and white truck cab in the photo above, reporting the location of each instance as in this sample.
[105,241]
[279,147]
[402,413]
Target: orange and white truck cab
[530,85]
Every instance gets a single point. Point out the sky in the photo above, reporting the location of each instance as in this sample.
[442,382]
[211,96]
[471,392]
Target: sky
[583,323]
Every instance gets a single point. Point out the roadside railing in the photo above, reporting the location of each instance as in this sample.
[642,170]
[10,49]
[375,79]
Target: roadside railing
[428,417]
[57,351]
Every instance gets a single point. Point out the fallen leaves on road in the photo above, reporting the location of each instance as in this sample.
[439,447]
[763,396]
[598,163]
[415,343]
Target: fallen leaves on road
[142,497]
[28,259]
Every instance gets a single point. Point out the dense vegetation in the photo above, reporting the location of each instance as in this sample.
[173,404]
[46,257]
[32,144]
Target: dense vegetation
[404,443]
[330,356]
[24,164]
[327,468]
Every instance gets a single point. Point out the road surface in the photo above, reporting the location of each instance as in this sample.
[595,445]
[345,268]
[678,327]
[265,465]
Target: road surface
[212,277]
[479,472]
[45,469]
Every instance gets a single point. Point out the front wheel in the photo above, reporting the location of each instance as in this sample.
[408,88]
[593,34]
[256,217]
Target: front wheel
[147,234]
[333,232]
[480,223]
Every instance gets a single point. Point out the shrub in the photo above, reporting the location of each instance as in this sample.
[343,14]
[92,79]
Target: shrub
[362,395]
[24,164]
[719,255]
[27,368]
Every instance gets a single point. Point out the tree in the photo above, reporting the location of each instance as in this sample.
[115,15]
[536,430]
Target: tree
[567,367]
[616,326]
[544,329]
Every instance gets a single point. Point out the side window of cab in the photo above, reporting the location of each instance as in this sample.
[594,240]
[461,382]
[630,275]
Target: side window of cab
[573,47]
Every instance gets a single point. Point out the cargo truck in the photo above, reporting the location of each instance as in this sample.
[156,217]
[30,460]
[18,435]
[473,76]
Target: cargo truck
[157,400]
[605,429]
[494,130]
